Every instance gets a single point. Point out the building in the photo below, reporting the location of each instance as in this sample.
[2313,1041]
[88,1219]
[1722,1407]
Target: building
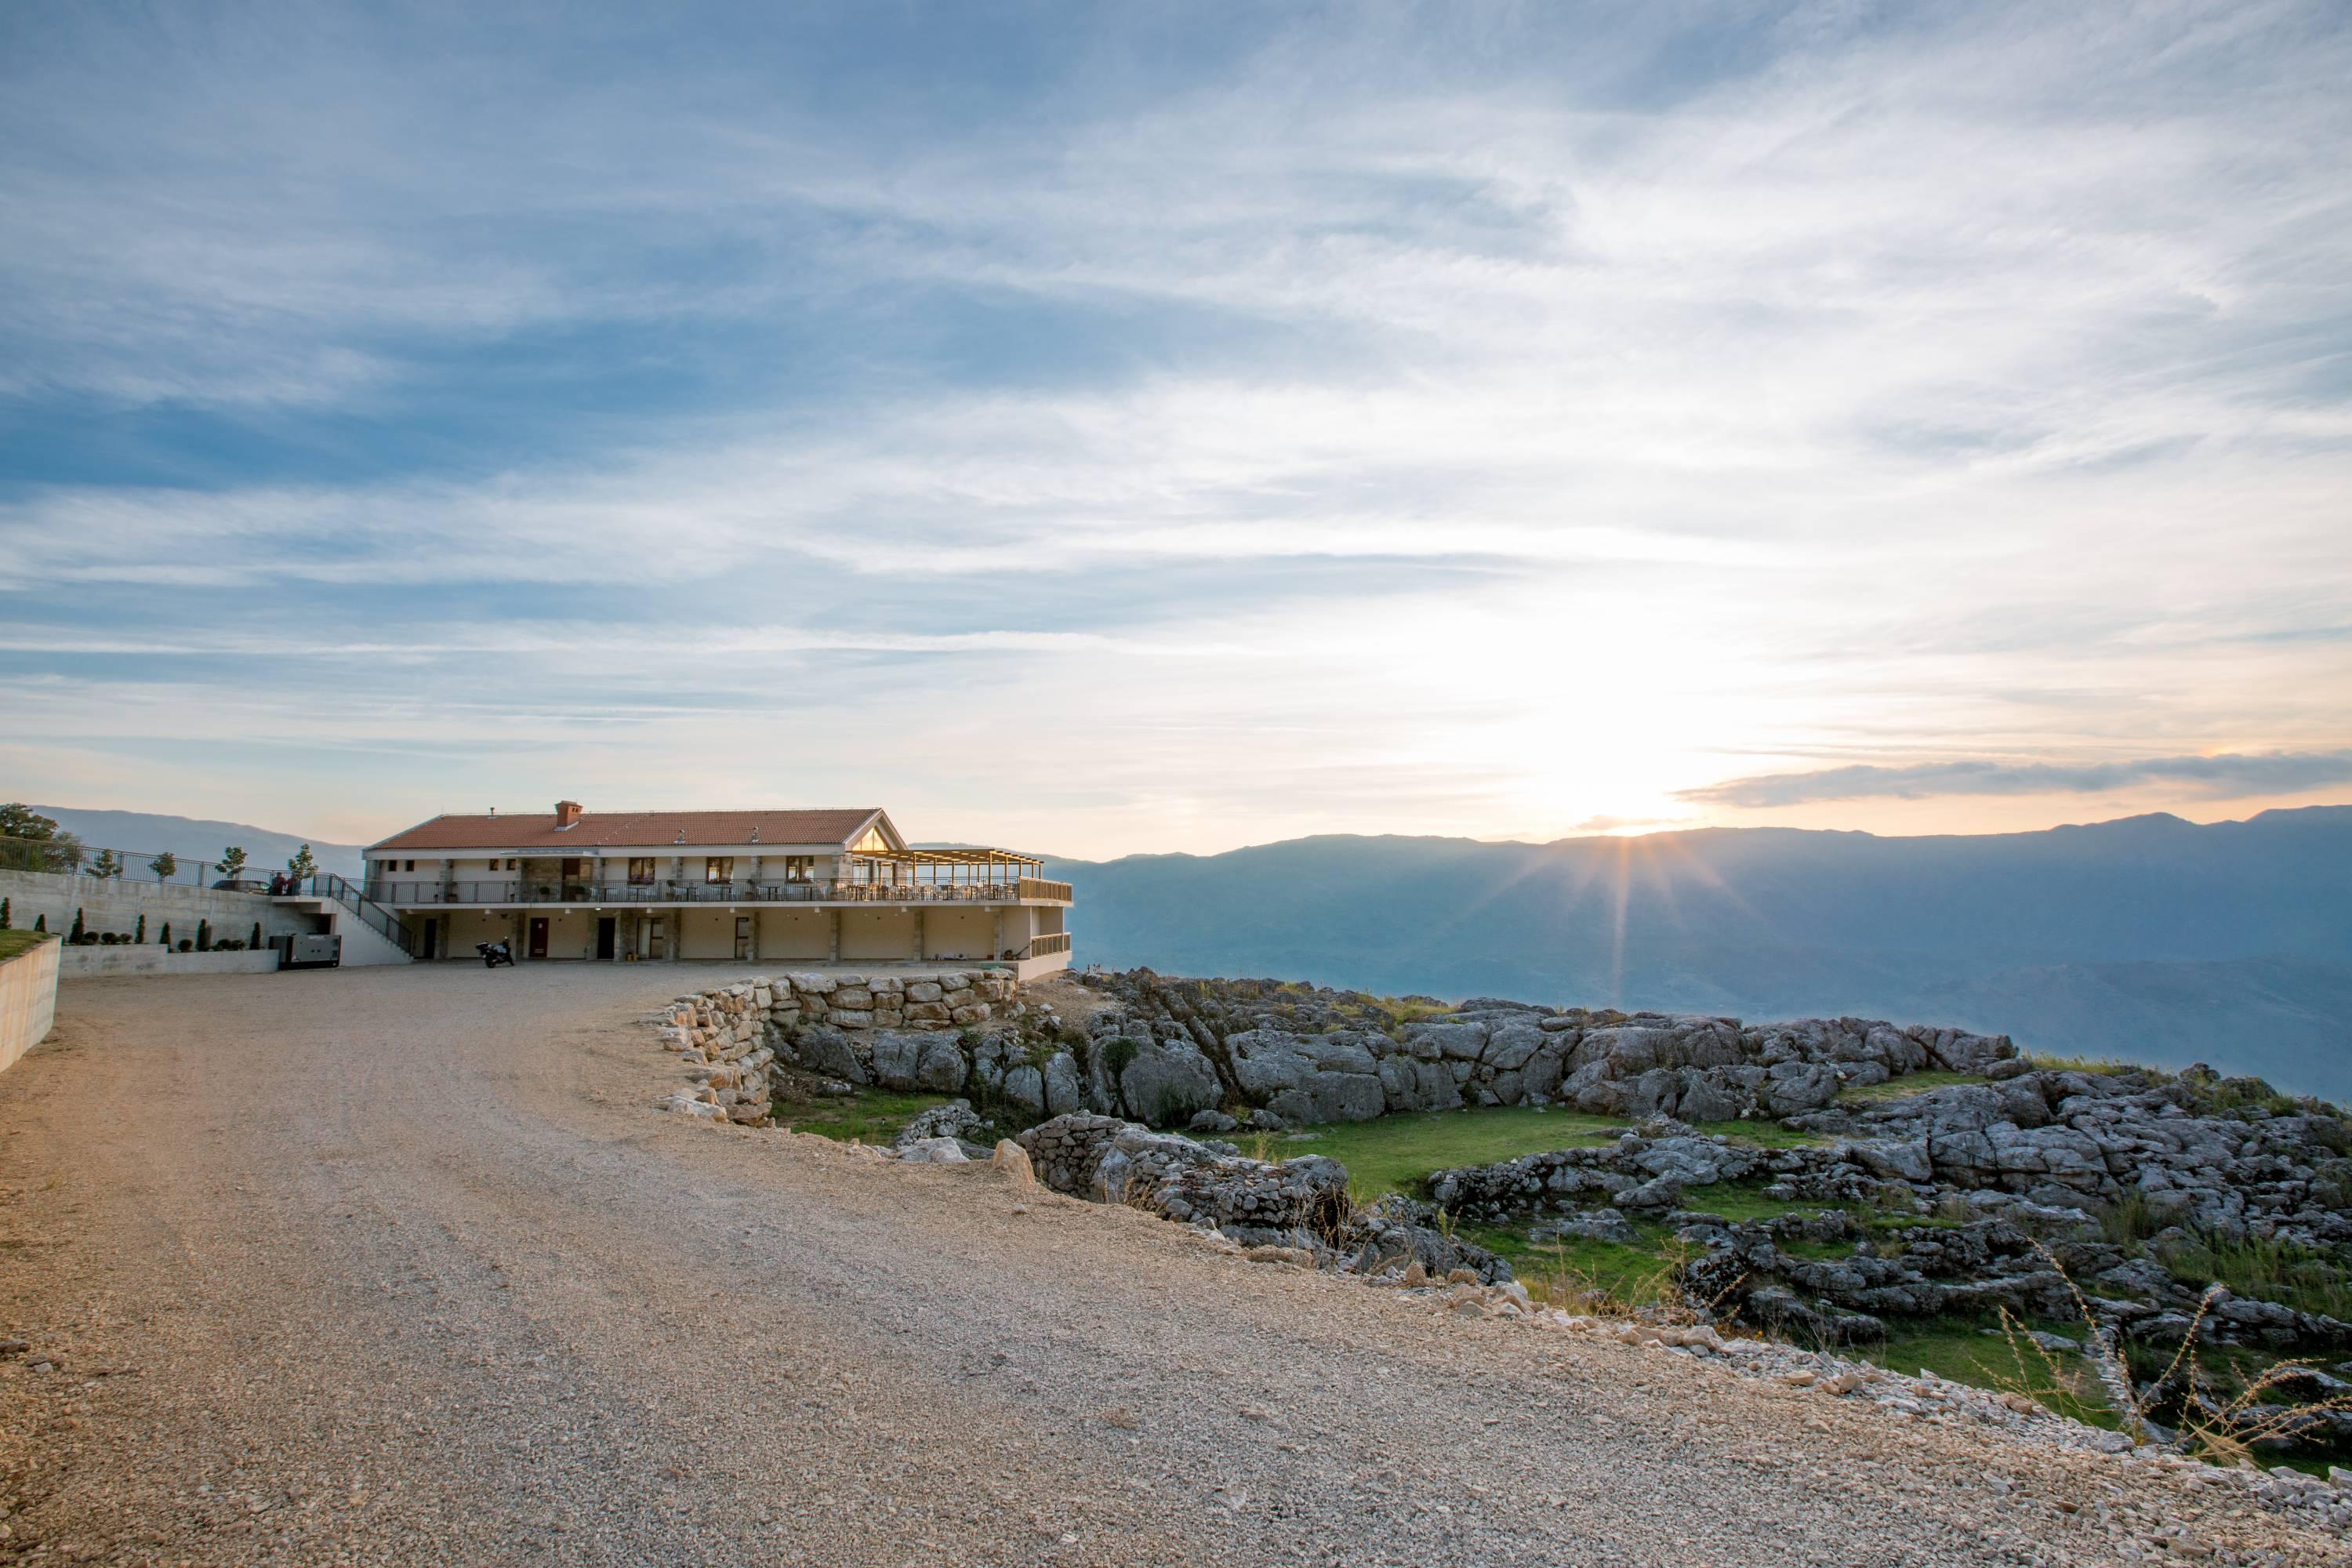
[772,886]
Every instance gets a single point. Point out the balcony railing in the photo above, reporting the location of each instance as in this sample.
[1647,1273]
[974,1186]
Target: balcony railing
[524,890]
[1050,942]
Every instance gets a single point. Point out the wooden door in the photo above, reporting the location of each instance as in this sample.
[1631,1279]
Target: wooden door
[539,936]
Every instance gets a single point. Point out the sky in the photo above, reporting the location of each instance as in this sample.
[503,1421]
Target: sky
[1102,429]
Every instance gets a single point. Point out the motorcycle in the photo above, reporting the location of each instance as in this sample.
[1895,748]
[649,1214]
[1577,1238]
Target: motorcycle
[495,953]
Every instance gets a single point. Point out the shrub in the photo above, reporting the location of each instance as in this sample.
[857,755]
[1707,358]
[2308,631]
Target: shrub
[141,935]
[5,912]
[187,946]
[203,936]
[167,933]
[1119,1054]
[78,928]
[166,865]
[41,923]
[254,941]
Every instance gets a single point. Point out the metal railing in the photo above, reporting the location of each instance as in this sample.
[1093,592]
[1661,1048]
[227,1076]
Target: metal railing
[405,891]
[373,915]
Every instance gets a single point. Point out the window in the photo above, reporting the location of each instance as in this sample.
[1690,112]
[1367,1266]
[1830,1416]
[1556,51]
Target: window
[570,866]
[719,869]
[412,865]
[641,870]
[799,868]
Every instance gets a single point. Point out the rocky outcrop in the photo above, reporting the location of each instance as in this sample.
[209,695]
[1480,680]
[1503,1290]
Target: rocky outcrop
[1299,1203]
[1168,1046]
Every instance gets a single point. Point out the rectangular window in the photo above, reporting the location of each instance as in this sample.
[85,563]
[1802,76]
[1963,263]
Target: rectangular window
[719,869]
[799,868]
[570,866]
[641,870]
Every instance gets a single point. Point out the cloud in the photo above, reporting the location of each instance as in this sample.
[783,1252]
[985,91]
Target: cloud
[2226,776]
[1362,421]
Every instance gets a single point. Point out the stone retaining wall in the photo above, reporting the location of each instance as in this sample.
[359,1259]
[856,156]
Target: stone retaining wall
[886,1029]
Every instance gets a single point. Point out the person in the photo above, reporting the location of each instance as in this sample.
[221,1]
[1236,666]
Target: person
[277,883]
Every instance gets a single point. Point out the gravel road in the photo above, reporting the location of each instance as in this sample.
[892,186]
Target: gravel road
[400,1266]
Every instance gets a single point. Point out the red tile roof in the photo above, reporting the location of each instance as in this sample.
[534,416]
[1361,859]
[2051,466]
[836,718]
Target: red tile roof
[630,829]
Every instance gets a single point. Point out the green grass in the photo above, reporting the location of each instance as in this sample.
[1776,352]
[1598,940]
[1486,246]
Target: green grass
[1760,1133]
[871,1116]
[2267,1270]
[2044,1062]
[1909,1083]
[1740,1200]
[1397,1153]
[1960,1351]
[14,942]
[1571,1271]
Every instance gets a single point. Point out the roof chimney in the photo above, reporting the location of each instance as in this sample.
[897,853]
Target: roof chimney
[567,814]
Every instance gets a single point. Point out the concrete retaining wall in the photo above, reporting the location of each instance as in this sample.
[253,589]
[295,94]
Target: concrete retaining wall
[115,904]
[149,958]
[28,1000]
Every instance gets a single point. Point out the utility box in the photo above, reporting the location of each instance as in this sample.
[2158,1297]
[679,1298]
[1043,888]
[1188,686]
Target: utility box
[310,952]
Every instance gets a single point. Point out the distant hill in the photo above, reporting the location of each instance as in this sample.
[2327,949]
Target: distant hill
[2148,938]
[194,838]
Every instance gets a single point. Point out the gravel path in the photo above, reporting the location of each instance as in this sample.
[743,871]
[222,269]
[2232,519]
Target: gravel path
[400,1266]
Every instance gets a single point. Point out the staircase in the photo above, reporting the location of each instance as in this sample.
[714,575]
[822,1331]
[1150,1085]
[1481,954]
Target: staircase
[371,932]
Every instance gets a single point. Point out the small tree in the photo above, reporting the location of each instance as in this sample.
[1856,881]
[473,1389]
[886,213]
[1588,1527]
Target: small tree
[5,912]
[41,924]
[301,865]
[167,933]
[232,863]
[107,864]
[255,942]
[76,925]
[166,865]
[203,936]
[141,935]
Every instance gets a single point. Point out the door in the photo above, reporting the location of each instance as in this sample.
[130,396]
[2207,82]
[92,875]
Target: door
[608,931]
[657,934]
[432,936]
[539,936]
[742,936]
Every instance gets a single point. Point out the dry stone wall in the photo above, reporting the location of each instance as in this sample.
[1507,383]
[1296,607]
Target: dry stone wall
[886,1029]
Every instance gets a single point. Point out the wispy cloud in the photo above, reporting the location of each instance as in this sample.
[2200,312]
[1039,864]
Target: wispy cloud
[2226,776]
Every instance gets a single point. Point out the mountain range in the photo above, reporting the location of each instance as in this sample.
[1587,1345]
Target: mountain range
[2149,939]
[196,839]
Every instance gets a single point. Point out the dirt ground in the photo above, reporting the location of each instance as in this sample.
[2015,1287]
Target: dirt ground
[402,1266]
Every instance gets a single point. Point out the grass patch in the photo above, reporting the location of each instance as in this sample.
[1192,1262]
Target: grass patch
[1397,1153]
[870,1116]
[14,942]
[1960,1351]
[1908,1084]
[2104,1065]
[1760,1133]
[1582,1275]
[2267,1270]
[1738,1200]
